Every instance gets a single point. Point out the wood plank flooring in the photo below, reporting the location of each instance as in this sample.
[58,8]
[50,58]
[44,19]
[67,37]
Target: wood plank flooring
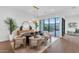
[63,46]
[58,46]
[5,47]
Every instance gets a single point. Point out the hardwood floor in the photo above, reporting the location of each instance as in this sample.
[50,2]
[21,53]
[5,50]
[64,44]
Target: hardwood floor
[58,46]
[63,46]
[5,47]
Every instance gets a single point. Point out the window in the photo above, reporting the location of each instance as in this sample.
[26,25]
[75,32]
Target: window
[51,25]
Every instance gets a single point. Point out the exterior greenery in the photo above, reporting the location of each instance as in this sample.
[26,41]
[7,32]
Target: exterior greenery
[46,27]
[36,25]
[11,24]
[51,25]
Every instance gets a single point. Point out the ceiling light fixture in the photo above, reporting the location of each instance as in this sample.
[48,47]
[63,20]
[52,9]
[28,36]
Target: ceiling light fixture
[35,21]
[35,13]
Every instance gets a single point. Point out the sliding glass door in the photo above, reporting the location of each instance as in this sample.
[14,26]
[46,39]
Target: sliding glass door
[57,27]
[46,25]
[52,25]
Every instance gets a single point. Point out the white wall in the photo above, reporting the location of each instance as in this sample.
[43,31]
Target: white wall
[71,19]
[19,17]
[5,12]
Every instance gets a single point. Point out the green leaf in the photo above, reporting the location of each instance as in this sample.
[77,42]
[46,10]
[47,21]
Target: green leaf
[11,23]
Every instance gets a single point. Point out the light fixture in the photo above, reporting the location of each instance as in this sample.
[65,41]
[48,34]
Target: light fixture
[35,12]
[35,21]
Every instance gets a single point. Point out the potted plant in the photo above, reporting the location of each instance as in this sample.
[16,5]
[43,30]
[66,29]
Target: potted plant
[11,25]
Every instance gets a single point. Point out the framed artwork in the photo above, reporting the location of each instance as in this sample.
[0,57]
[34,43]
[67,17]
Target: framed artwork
[72,24]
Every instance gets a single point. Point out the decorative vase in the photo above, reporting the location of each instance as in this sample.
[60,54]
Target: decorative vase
[11,37]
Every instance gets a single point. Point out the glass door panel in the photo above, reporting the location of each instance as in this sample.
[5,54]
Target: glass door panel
[57,30]
[46,25]
[52,26]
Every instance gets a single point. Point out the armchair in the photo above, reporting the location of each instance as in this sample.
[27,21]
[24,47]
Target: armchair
[35,42]
[18,41]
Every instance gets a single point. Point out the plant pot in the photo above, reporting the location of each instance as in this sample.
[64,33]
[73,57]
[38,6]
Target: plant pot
[11,37]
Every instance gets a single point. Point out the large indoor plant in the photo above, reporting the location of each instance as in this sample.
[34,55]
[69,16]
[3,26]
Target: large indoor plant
[11,24]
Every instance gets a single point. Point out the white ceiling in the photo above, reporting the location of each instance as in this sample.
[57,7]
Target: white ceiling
[47,11]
